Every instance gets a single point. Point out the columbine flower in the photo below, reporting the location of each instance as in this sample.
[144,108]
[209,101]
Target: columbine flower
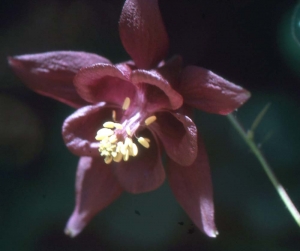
[128,113]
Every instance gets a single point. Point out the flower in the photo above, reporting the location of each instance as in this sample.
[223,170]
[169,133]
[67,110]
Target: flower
[129,113]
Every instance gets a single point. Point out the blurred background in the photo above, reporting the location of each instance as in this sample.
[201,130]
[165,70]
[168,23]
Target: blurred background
[249,42]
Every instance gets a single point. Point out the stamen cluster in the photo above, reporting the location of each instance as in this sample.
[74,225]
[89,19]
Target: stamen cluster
[113,145]
[112,148]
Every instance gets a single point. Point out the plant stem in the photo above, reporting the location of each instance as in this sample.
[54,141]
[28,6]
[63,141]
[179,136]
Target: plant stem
[267,168]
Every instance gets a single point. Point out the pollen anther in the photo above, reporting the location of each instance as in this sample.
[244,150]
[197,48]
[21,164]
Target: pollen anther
[144,142]
[126,155]
[128,131]
[118,157]
[118,126]
[133,151]
[103,133]
[113,139]
[150,120]
[109,124]
[126,103]
[114,115]
[108,159]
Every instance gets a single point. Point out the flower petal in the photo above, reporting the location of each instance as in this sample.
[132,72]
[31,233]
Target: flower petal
[159,93]
[96,188]
[104,82]
[178,134]
[143,33]
[51,73]
[79,129]
[171,71]
[209,92]
[192,188]
[144,172]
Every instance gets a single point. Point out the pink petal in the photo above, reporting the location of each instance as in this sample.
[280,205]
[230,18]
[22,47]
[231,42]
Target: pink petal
[159,93]
[51,73]
[192,188]
[128,63]
[143,33]
[209,92]
[171,71]
[79,129]
[96,188]
[178,135]
[104,82]
[144,172]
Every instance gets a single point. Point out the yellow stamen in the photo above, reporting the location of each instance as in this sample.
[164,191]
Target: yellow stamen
[113,139]
[126,155]
[108,159]
[103,133]
[118,126]
[133,151]
[118,158]
[150,120]
[104,153]
[114,115]
[119,146]
[126,103]
[116,142]
[128,131]
[109,124]
[144,142]
[123,149]
[128,142]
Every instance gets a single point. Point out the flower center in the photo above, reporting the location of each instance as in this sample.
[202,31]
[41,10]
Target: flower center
[116,141]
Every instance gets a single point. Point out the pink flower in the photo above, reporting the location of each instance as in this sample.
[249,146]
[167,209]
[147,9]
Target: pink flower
[129,113]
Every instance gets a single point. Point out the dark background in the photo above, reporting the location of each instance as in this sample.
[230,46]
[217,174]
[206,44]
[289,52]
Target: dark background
[248,42]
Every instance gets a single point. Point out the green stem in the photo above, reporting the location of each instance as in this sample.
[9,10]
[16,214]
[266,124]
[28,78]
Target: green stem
[279,188]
